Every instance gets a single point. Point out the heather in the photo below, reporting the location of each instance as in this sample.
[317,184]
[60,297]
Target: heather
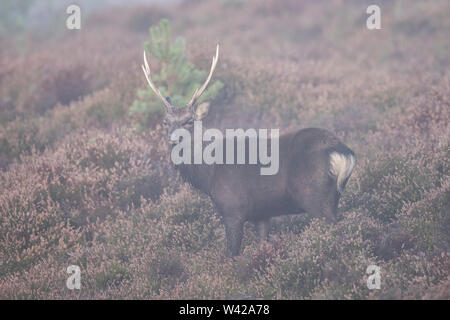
[81,184]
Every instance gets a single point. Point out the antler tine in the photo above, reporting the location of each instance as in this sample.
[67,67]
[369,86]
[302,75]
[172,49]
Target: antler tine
[198,92]
[146,69]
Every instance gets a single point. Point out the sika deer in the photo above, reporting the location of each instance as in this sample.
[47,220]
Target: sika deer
[314,167]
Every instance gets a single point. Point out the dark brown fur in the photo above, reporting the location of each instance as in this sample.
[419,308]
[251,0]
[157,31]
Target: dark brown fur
[307,179]
[302,184]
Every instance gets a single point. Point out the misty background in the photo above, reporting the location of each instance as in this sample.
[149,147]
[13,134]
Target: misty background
[85,176]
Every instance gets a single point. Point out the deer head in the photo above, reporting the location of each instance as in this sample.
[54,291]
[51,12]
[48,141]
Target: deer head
[178,117]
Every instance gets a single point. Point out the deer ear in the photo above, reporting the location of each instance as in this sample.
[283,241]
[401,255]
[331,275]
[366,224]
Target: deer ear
[201,111]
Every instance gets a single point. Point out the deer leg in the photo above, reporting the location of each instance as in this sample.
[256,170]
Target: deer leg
[234,229]
[262,228]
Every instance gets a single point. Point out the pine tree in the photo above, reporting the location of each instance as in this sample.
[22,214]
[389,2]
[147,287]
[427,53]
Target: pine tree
[177,78]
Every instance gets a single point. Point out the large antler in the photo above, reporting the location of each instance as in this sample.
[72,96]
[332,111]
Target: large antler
[146,70]
[198,92]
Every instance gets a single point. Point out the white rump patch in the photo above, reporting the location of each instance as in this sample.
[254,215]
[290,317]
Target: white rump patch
[341,166]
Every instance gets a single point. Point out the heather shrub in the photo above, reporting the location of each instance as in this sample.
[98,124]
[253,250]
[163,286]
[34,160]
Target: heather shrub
[319,257]
[411,274]
[58,73]
[427,220]
[31,94]
[167,270]
[188,221]
[98,110]
[86,179]
[388,183]
[79,186]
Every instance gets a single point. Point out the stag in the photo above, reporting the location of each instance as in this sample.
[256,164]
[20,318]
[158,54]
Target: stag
[314,167]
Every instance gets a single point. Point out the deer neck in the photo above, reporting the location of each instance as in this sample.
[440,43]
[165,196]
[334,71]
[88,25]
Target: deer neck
[198,175]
